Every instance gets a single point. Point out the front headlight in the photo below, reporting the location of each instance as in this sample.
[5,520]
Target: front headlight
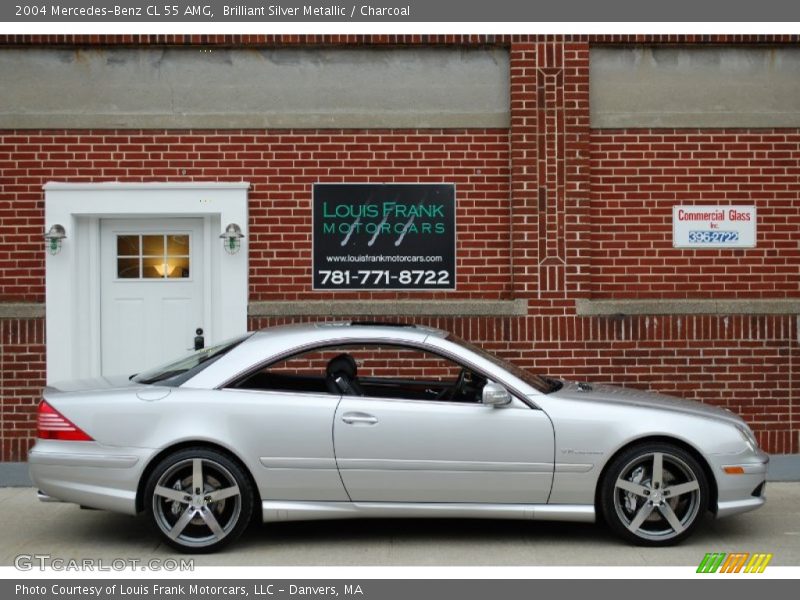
[748,437]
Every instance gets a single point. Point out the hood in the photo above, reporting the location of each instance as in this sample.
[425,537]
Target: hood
[611,394]
[89,385]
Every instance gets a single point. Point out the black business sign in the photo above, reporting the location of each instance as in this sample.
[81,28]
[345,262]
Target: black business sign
[384,236]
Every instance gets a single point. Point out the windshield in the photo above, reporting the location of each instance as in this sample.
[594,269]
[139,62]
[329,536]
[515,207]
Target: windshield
[543,384]
[177,372]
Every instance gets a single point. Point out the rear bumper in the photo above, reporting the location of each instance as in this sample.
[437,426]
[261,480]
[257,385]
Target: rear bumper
[87,473]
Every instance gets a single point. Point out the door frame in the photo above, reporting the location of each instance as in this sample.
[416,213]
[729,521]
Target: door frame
[72,277]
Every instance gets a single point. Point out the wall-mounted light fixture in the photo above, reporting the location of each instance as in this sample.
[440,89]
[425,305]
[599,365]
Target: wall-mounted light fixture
[54,237]
[232,238]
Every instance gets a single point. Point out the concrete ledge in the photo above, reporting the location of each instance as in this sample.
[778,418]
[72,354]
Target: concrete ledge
[687,307]
[450,308]
[21,310]
[14,474]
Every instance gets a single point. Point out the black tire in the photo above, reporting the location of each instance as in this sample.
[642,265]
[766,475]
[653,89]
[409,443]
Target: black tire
[199,520]
[645,511]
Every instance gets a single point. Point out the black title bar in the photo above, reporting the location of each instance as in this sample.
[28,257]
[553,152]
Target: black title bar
[398,11]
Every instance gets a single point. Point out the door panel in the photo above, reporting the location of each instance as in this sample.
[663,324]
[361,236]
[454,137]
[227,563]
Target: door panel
[128,316]
[151,291]
[427,451]
[287,437]
[178,319]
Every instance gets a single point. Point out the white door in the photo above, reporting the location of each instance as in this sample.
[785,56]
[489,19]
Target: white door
[151,291]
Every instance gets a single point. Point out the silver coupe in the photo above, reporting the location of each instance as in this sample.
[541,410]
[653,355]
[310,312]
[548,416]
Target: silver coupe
[360,419]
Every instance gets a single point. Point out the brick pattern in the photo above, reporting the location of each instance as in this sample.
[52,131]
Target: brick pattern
[747,364]
[590,210]
[281,167]
[638,175]
[744,364]
[549,141]
[22,368]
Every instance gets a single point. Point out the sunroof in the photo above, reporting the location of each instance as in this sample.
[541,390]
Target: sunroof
[381,324]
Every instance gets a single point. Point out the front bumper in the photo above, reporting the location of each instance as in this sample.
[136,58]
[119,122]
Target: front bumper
[87,473]
[741,483]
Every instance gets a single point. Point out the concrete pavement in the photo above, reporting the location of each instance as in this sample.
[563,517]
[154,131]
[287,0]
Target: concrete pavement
[65,531]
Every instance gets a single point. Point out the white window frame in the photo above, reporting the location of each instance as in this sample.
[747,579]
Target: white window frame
[72,281]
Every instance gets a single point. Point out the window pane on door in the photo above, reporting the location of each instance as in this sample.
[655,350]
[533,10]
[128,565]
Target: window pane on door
[128,268]
[178,245]
[153,245]
[153,256]
[127,245]
[178,266]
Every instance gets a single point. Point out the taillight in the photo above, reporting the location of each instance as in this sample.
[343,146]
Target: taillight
[52,425]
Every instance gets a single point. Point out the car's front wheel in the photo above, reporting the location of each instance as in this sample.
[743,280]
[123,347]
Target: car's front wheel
[199,499]
[654,494]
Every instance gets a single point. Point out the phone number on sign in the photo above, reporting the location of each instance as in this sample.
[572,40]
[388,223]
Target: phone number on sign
[383,277]
[713,237]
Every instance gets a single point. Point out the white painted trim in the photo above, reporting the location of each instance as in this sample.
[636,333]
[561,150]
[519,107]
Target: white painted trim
[73,275]
[149,185]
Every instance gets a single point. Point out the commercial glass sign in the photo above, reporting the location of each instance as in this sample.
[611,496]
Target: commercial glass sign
[384,236]
[714,226]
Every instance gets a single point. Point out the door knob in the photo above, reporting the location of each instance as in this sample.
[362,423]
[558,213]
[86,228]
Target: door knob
[199,340]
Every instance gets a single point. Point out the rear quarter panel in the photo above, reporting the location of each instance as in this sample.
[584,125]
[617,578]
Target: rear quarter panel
[284,440]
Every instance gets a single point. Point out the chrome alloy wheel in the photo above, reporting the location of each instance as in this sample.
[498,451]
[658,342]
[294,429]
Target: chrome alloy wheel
[197,502]
[657,496]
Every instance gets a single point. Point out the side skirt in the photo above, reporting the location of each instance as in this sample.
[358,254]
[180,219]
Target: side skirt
[287,510]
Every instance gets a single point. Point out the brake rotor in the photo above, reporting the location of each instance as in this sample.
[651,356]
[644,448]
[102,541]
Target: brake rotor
[210,484]
[633,502]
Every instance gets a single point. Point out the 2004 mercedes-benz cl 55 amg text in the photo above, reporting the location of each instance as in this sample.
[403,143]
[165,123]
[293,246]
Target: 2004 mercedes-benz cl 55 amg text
[358,419]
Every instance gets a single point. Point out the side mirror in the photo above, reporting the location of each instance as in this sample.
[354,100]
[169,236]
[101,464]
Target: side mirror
[495,395]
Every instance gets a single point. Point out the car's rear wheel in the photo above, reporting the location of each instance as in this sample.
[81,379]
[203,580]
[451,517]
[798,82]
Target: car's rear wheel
[654,494]
[199,500]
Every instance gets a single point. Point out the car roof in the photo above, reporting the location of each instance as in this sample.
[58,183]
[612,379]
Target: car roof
[354,328]
[271,342]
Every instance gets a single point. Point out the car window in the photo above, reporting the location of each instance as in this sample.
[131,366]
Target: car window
[545,385]
[179,371]
[373,370]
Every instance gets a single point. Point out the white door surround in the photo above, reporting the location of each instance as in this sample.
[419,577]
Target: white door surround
[73,282]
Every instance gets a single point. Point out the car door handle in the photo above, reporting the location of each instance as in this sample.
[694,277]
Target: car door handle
[359,418]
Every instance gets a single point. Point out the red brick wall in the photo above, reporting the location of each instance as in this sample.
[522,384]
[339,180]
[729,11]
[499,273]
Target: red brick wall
[535,223]
[638,175]
[747,364]
[22,376]
[281,167]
